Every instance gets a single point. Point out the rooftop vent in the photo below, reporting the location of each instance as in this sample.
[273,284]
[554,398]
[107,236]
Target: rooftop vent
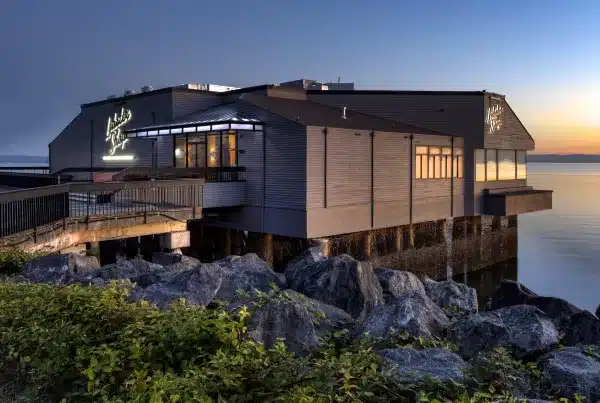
[147,88]
[111,96]
[129,92]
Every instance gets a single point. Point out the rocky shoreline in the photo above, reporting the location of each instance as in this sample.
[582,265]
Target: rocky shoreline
[317,298]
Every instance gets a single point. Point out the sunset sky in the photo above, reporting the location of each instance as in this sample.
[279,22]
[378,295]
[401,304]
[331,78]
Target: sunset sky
[543,54]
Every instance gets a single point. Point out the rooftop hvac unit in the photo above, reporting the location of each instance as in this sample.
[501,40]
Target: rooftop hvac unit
[129,92]
[111,97]
[147,88]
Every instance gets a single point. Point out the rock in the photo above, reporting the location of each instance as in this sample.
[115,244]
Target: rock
[571,371]
[581,328]
[298,320]
[410,365]
[416,315]
[226,280]
[59,269]
[17,279]
[452,296]
[524,328]
[295,271]
[339,281]
[169,258]
[513,293]
[197,286]
[139,271]
[397,284]
[598,312]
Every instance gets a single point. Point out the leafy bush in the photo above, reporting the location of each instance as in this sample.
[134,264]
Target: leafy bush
[88,344]
[13,260]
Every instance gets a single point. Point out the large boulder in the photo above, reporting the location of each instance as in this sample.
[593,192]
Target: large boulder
[295,271]
[570,371]
[138,271]
[581,328]
[226,280]
[198,286]
[512,293]
[453,297]
[59,269]
[524,328]
[398,283]
[410,365]
[298,320]
[416,315]
[339,281]
[170,258]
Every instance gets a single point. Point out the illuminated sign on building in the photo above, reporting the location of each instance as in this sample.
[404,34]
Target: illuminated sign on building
[493,117]
[114,135]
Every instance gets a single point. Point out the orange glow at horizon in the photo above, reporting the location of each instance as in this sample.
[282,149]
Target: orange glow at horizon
[566,139]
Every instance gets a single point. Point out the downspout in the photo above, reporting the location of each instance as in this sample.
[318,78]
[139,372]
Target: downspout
[325,168]
[452,177]
[410,188]
[372,179]
[264,179]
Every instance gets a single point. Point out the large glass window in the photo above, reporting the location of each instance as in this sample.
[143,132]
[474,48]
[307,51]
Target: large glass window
[480,165]
[196,151]
[213,144]
[491,159]
[506,164]
[229,150]
[180,152]
[494,164]
[521,164]
[436,162]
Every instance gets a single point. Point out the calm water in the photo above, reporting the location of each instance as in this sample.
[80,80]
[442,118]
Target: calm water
[559,249]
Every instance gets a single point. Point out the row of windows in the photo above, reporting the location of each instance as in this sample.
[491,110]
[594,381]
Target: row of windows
[491,165]
[438,162]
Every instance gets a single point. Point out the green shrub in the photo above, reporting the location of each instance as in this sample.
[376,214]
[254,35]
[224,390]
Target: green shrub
[88,344]
[13,260]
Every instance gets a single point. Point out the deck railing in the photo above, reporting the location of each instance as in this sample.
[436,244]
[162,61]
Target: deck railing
[23,210]
[26,169]
[223,174]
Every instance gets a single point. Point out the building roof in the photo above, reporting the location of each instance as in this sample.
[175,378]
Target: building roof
[310,113]
[225,113]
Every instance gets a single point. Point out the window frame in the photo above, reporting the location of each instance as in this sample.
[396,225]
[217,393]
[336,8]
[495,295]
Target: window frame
[515,153]
[439,164]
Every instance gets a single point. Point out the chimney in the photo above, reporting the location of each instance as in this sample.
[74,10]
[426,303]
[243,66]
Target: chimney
[344,113]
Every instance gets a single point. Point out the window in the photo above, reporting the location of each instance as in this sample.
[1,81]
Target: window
[214,150]
[494,165]
[480,165]
[180,152]
[491,159]
[506,164]
[436,162]
[229,149]
[521,164]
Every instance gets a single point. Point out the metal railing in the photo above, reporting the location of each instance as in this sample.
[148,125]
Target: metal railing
[23,210]
[26,169]
[225,174]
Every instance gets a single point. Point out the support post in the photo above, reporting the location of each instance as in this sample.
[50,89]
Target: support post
[368,238]
[398,238]
[226,241]
[323,244]
[267,248]
[411,236]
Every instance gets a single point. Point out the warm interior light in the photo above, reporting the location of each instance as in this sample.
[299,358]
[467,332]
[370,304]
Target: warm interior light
[117,157]
[178,152]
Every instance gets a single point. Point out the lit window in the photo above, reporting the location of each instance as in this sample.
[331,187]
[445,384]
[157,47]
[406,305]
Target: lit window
[506,164]
[176,130]
[421,163]
[436,162]
[480,165]
[521,164]
[491,169]
[459,161]
[189,129]
[163,132]
[152,132]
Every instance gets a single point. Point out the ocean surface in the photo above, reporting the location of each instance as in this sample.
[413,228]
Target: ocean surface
[559,249]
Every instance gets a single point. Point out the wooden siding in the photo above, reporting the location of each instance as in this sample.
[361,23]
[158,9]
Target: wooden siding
[315,167]
[185,103]
[250,146]
[512,135]
[481,186]
[223,194]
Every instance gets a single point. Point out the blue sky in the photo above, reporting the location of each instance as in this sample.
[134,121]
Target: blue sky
[56,55]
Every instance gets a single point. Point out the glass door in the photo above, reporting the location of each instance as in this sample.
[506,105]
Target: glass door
[196,149]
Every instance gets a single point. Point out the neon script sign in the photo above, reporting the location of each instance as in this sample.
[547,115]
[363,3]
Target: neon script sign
[114,136]
[493,117]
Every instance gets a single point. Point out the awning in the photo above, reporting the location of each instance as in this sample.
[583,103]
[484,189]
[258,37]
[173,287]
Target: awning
[217,118]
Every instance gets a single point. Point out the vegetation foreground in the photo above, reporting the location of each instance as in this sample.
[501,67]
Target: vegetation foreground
[88,344]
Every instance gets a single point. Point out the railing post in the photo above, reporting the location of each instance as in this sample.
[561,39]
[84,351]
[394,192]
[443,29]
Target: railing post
[194,201]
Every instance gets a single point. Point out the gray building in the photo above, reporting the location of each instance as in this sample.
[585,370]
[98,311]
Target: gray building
[319,162]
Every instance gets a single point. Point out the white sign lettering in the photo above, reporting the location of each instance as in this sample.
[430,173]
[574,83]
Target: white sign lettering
[493,117]
[114,136]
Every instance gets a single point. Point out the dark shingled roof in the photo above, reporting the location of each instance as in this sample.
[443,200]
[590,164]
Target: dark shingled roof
[309,113]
